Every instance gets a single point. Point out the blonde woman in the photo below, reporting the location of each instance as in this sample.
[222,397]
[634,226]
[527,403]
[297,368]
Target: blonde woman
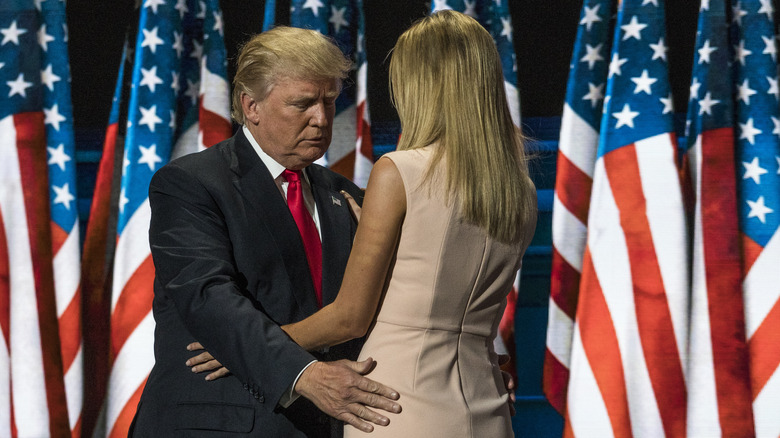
[445,222]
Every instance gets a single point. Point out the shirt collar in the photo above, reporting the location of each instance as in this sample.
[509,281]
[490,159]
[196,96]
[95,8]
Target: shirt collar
[273,166]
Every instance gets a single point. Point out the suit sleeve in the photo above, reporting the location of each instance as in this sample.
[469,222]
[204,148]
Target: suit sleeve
[193,259]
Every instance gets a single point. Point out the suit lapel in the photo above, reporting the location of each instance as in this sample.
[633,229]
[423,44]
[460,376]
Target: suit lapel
[264,200]
[335,228]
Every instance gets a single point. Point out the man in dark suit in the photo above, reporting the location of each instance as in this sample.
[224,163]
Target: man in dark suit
[233,262]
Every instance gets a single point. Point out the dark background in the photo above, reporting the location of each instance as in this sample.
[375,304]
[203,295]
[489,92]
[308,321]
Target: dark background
[544,32]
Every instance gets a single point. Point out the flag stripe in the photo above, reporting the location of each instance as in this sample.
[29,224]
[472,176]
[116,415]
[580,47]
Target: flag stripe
[133,306]
[577,184]
[31,148]
[601,346]
[556,378]
[765,350]
[654,318]
[122,423]
[565,285]
[5,328]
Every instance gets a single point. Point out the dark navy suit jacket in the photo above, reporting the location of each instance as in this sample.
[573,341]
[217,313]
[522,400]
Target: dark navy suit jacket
[230,268]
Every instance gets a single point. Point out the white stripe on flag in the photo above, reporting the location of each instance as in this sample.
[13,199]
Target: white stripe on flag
[74,383]
[66,272]
[570,234]
[765,408]
[559,333]
[576,133]
[513,99]
[762,284]
[30,408]
[586,409]
[666,216]
[131,367]
[132,249]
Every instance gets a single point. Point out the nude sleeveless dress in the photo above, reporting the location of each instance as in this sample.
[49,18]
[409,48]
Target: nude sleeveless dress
[433,338]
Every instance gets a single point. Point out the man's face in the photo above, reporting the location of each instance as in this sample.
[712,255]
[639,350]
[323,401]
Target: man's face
[294,123]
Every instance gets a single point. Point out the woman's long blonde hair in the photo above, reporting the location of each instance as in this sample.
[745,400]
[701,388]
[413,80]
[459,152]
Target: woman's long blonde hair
[448,87]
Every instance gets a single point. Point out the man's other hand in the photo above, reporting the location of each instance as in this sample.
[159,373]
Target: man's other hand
[341,390]
[205,362]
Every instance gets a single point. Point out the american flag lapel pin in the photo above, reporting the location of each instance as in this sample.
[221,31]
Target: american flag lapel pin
[335,200]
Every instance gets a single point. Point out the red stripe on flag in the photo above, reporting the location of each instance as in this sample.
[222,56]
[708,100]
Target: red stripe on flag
[599,340]
[5,286]
[134,303]
[31,146]
[122,424]
[750,253]
[58,237]
[555,382]
[565,284]
[364,132]
[70,322]
[652,309]
[764,347]
[575,194]
[214,127]
[96,283]
[720,231]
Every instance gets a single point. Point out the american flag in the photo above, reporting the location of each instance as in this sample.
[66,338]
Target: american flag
[495,17]
[350,152]
[40,358]
[719,394]
[578,143]
[628,356]
[758,155]
[178,103]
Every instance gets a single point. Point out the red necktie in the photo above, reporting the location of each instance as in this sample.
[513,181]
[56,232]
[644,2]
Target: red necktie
[311,239]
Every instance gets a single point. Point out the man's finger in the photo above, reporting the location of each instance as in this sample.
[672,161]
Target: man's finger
[379,390]
[199,359]
[222,372]
[194,346]
[356,422]
[368,415]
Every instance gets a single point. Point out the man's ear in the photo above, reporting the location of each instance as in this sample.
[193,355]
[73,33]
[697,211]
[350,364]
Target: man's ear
[250,107]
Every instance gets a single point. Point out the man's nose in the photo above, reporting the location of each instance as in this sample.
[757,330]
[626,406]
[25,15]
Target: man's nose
[319,115]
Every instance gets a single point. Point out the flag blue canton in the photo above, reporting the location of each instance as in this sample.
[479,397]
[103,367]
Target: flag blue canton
[639,100]
[758,149]
[171,43]
[710,107]
[588,74]
[335,18]
[494,16]
[35,77]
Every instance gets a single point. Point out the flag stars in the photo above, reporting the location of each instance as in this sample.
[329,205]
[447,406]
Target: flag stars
[744,92]
[202,12]
[11,34]
[776,123]
[218,25]
[643,83]
[706,104]
[314,5]
[197,50]
[705,51]
[595,94]
[616,64]
[694,93]
[178,43]
[737,13]
[766,8]
[625,117]
[506,27]
[150,78]
[470,8]
[63,195]
[58,156]
[753,170]
[778,165]
[181,6]
[590,16]
[19,86]
[705,5]
[53,117]
[593,55]
[773,88]
[771,48]
[175,82]
[748,131]
[659,50]
[149,117]
[633,29]
[740,52]
[149,156]
[440,5]
[153,4]
[647,2]
[44,38]
[668,104]
[758,209]
[193,90]
[48,77]
[122,200]
[337,18]
[151,40]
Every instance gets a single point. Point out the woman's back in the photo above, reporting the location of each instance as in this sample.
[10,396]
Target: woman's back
[444,299]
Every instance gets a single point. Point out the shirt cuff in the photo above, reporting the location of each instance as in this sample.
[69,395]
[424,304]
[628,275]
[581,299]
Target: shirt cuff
[291,395]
